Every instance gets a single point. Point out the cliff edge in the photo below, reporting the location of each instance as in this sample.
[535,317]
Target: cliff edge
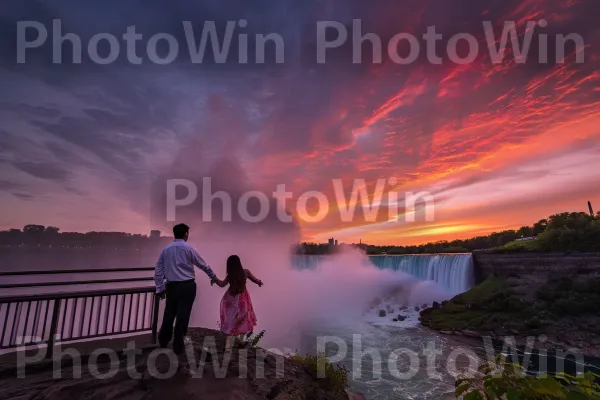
[206,371]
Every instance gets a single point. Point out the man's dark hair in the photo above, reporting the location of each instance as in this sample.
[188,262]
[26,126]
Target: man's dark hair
[180,230]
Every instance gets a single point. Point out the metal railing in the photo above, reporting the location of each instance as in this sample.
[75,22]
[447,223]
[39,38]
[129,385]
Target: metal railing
[73,271]
[46,319]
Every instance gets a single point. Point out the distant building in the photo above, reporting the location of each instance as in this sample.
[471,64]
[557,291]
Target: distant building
[525,239]
[154,234]
[332,246]
[362,246]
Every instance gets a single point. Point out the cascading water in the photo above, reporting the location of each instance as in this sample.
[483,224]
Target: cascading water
[306,261]
[454,272]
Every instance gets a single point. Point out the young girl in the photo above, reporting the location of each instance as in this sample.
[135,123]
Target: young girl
[237,314]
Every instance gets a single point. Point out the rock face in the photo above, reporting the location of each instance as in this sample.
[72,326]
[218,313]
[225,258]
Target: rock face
[250,374]
[355,396]
[564,312]
[382,313]
[401,317]
[528,271]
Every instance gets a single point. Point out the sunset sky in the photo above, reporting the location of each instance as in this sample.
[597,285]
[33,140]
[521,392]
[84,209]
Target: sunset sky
[89,147]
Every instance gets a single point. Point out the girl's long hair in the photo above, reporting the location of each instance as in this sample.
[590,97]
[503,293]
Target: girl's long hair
[236,275]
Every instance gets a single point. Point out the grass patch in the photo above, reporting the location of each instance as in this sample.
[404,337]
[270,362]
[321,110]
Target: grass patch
[489,289]
[494,306]
[483,308]
[519,247]
[329,376]
[564,297]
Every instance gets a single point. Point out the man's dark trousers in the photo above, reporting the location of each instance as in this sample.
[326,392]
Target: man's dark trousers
[180,299]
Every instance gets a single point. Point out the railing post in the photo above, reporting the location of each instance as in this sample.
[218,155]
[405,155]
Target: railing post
[155,318]
[53,327]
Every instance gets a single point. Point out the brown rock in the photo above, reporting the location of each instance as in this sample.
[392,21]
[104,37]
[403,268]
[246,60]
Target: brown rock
[294,384]
[355,396]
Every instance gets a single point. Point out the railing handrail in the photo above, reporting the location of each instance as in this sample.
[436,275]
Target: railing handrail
[62,283]
[74,271]
[91,309]
[73,295]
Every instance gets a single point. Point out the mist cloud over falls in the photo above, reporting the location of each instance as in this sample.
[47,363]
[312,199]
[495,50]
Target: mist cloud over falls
[343,288]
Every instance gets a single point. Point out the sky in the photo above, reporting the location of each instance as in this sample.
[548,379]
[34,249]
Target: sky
[91,147]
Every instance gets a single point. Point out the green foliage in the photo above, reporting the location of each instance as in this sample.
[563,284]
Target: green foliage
[565,232]
[484,307]
[575,221]
[563,297]
[566,239]
[253,341]
[500,379]
[329,376]
[493,304]
[517,247]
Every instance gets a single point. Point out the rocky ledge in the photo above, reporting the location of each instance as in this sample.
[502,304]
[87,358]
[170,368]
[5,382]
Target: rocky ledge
[561,315]
[250,373]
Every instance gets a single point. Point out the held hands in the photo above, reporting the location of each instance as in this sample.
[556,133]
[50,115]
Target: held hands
[217,281]
[221,283]
[162,295]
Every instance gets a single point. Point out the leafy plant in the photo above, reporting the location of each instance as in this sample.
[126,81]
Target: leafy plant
[335,376]
[501,379]
[253,341]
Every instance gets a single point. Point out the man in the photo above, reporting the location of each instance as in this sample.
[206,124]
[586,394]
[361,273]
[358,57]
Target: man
[176,264]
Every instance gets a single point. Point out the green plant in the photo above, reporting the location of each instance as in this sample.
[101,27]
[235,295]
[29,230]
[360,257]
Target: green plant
[516,247]
[501,379]
[253,341]
[329,376]
[564,297]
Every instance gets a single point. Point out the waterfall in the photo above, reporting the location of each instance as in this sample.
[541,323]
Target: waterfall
[306,261]
[452,271]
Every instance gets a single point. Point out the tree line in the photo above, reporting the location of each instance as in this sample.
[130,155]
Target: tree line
[50,236]
[569,231]
[564,232]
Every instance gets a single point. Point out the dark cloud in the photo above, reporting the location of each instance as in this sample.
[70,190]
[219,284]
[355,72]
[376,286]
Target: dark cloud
[91,136]
[23,196]
[42,170]
[6,144]
[7,185]
[28,110]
